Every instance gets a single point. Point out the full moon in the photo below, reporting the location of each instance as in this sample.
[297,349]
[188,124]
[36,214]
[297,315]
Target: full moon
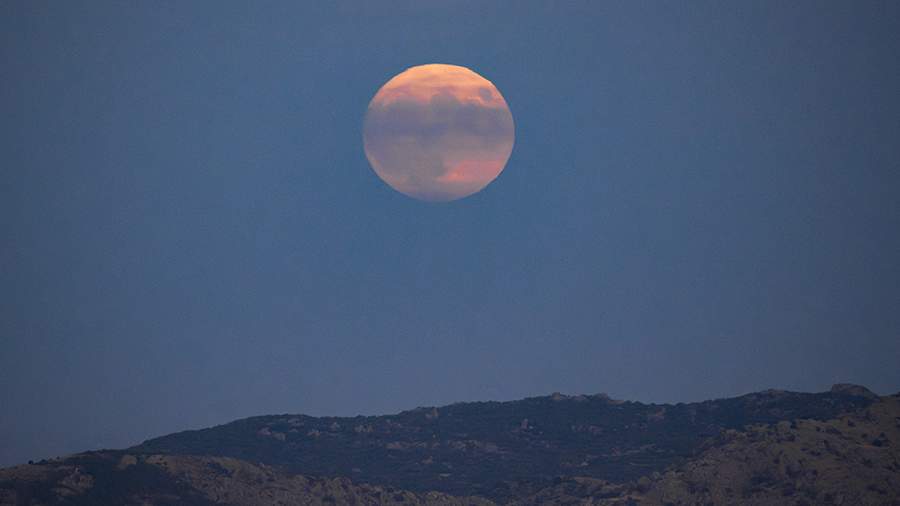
[438,132]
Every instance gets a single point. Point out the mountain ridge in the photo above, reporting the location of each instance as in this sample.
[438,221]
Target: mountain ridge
[470,447]
[547,449]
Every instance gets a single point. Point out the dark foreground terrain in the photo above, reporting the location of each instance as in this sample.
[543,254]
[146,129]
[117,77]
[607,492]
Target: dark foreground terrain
[767,448]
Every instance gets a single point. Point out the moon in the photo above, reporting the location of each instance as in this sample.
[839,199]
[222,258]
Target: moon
[438,132]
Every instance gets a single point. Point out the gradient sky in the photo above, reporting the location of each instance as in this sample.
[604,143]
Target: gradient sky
[703,200]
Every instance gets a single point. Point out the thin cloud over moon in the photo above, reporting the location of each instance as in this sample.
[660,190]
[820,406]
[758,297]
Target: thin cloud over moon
[438,132]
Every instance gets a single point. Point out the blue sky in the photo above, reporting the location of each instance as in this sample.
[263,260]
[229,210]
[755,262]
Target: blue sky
[702,201]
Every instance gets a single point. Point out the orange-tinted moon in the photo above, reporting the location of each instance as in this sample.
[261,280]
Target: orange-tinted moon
[438,132]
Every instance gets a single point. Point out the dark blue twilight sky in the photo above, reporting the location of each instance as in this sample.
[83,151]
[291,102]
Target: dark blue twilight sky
[703,200]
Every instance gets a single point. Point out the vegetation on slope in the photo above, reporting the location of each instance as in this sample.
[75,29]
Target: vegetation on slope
[501,450]
[770,448]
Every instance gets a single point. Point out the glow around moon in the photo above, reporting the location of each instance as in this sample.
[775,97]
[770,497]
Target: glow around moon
[438,132]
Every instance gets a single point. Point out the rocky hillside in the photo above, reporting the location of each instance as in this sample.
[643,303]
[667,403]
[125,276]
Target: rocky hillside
[112,477]
[853,459]
[500,450]
[773,447]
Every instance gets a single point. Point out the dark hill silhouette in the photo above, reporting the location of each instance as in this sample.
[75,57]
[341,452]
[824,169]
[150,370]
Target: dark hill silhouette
[772,447]
[495,449]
